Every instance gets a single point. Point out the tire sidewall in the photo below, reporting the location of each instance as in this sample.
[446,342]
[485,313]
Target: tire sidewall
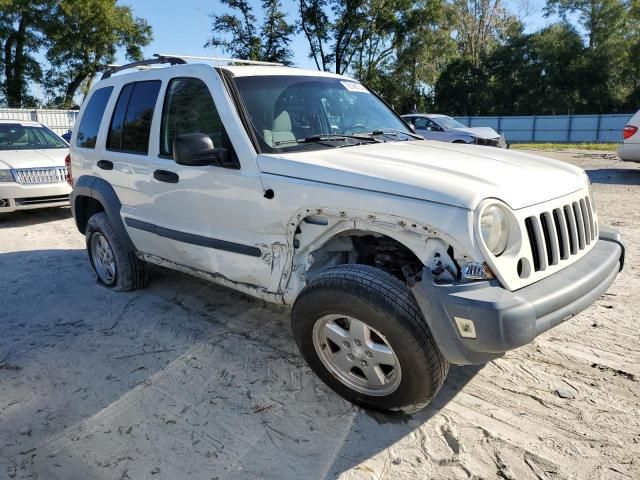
[379,314]
[99,223]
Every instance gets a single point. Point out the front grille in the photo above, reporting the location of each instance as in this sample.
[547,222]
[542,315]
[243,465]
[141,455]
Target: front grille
[31,176]
[560,233]
[39,200]
[487,142]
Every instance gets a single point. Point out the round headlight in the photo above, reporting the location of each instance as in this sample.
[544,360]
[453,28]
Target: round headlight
[494,229]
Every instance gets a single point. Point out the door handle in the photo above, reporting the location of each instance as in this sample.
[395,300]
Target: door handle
[166,176]
[105,164]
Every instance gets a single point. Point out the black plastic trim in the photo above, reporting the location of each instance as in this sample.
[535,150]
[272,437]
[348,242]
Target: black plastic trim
[103,192]
[194,239]
[506,320]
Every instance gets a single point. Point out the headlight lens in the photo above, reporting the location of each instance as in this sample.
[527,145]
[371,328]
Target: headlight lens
[495,229]
[5,176]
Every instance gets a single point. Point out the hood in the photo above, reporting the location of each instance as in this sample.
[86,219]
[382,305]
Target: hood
[454,174]
[486,133]
[50,157]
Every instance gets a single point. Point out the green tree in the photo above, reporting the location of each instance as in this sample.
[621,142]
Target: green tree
[336,30]
[82,37]
[479,26]
[239,34]
[21,25]
[397,47]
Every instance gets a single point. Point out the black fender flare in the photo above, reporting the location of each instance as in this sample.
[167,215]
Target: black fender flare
[103,192]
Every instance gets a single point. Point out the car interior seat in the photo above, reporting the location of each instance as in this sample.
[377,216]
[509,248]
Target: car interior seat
[281,131]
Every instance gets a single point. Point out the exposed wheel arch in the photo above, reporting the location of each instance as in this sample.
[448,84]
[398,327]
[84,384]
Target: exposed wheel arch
[94,195]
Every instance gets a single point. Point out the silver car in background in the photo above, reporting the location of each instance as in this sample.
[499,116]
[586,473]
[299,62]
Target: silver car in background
[447,129]
[629,151]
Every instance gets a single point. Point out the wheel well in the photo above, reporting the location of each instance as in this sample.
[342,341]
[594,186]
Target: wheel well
[367,248]
[85,208]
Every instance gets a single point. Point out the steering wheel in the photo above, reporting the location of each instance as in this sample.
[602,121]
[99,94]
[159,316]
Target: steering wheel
[357,128]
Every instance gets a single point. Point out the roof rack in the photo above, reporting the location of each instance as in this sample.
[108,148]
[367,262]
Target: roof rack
[218,59]
[111,69]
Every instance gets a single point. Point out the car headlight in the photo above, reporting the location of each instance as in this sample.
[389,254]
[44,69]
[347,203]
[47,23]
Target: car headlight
[494,229]
[6,176]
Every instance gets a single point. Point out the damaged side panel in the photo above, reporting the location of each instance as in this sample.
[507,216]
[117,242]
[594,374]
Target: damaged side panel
[324,237]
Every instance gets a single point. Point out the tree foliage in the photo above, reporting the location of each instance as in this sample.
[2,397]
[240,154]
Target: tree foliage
[77,37]
[239,34]
[83,36]
[21,36]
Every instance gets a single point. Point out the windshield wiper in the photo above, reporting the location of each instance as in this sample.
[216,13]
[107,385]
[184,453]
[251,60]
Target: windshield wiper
[333,137]
[339,136]
[395,132]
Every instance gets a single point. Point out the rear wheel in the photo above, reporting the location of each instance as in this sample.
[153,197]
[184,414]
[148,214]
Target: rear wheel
[362,333]
[117,268]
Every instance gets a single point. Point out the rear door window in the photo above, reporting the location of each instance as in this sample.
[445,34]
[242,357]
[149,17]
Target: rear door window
[92,117]
[130,126]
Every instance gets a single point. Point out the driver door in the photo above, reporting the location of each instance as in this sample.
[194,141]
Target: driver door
[203,217]
[428,129]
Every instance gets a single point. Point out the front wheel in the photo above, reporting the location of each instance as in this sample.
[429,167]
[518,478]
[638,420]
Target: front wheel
[361,332]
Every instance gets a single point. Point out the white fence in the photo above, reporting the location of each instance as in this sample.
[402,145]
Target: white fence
[555,128]
[57,120]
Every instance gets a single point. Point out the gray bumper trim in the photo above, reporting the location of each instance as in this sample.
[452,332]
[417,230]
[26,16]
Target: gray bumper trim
[506,320]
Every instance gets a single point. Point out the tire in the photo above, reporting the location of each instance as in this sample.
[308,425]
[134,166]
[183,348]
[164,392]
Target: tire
[129,272]
[459,141]
[387,308]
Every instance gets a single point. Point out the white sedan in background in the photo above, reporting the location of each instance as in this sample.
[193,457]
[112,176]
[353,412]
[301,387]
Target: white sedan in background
[630,148]
[447,129]
[32,167]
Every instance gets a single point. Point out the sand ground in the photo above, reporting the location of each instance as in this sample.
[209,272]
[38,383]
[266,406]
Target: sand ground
[189,380]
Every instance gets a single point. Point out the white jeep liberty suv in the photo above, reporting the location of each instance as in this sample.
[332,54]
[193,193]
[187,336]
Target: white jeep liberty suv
[398,256]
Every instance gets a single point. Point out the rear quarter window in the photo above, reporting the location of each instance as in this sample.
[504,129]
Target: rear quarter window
[92,117]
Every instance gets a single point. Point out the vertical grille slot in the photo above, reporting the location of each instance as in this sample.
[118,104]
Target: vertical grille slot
[592,226]
[563,237]
[570,219]
[579,223]
[588,234]
[550,238]
[536,242]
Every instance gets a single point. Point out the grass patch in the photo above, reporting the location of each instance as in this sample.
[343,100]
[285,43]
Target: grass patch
[609,147]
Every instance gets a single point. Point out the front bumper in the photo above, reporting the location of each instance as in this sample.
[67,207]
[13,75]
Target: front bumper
[15,196]
[505,320]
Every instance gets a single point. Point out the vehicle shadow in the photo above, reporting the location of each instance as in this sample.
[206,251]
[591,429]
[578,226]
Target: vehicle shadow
[25,218]
[615,176]
[185,377]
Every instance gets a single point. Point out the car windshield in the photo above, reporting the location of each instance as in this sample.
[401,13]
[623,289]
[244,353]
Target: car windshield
[294,113]
[448,122]
[15,136]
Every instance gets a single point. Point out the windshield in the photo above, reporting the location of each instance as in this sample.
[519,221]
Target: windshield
[15,136]
[293,113]
[448,122]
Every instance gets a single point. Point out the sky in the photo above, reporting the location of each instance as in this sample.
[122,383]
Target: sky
[185,29]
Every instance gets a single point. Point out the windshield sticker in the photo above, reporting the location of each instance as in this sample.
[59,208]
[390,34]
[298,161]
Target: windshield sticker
[355,87]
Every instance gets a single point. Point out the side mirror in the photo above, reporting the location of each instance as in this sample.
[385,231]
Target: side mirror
[412,127]
[197,150]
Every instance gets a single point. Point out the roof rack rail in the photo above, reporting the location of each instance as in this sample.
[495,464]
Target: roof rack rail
[111,69]
[219,59]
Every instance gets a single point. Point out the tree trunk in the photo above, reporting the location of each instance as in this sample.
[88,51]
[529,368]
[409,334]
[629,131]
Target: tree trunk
[71,89]
[14,65]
